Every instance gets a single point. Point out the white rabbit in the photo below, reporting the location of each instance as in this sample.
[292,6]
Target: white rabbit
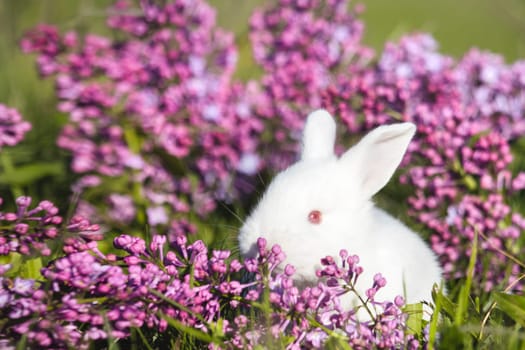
[322,204]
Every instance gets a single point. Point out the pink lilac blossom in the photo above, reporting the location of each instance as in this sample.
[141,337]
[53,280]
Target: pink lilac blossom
[158,101]
[411,80]
[96,296]
[12,127]
[301,45]
[492,218]
[121,208]
[32,230]
[461,152]
[494,89]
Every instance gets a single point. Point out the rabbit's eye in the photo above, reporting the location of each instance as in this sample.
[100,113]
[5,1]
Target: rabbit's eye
[315,217]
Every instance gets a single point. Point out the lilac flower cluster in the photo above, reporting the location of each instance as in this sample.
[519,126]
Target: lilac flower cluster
[467,114]
[494,90]
[409,81]
[31,231]
[301,45]
[157,102]
[95,296]
[385,326]
[12,126]
[413,81]
[465,188]
[469,192]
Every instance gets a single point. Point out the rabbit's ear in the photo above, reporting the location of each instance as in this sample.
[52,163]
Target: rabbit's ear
[318,136]
[375,158]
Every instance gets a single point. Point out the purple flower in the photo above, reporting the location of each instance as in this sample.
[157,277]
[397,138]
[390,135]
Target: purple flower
[133,245]
[122,208]
[31,230]
[156,216]
[169,81]
[12,127]
[41,39]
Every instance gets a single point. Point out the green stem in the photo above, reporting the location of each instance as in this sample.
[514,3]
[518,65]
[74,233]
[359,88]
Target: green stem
[134,144]
[363,302]
[9,169]
[464,293]
[435,319]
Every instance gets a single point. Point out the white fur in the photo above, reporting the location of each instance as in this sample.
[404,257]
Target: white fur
[341,188]
[318,136]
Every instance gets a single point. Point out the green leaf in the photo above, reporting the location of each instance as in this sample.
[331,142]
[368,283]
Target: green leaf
[438,297]
[415,317]
[31,268]
[22,343]
[470,182]
[217,328]
[111,341]
[132,139]
[15,259]
[454,337]
[464,293]
[513,305]
[336,342]
[457,167]
[145,341]
[193,332]
[446,304]
[27,174]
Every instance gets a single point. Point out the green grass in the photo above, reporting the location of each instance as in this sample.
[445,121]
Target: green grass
[493,25]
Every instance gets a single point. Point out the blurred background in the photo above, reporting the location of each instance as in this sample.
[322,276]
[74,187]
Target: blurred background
[495,25]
